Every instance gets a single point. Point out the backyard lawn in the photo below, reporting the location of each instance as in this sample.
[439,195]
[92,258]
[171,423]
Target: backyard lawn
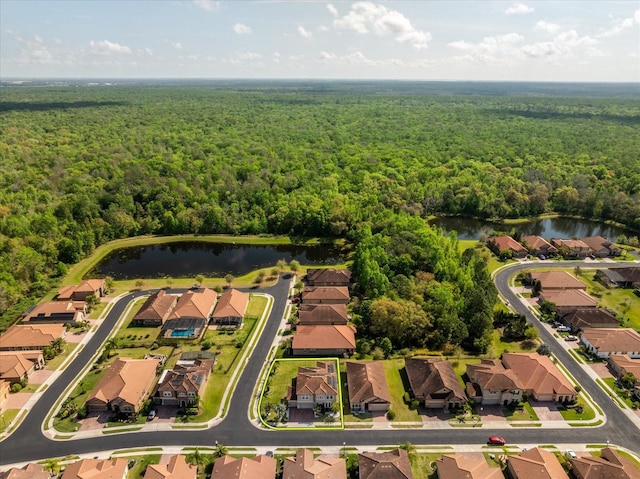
[140,466]
[281,376]
[621,300]
[394,371]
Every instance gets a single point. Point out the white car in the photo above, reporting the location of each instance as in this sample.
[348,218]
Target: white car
[564,329]
[571,454]
[571,338]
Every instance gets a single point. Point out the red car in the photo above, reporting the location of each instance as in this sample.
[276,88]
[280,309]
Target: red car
[295,300]
[496,441]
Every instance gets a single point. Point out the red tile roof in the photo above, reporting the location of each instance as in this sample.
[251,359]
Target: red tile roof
[385,465]
[195,304]
[177,468]
[324,337]
[557,280]
[232,303]
[536,463]
[538,374]
[259,467]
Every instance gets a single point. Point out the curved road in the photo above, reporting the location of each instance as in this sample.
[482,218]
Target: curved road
[27,443]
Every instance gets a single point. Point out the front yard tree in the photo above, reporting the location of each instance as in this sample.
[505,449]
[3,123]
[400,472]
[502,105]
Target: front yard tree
[544,349]
[220,450]
[200,279]
[229,279]
[139,283]
[294,265]
[281,264]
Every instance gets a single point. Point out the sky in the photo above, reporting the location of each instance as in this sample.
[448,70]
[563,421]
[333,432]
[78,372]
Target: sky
[567,41]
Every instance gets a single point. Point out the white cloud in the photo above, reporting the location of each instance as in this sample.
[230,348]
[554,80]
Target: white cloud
[208,5]
[621,25]
[518,9]
[177,45]
[548,27]
[355,58]
[564,44]
[304,33]
[500,49]
[333,10]
[242,29]
[364,16]
[105,47]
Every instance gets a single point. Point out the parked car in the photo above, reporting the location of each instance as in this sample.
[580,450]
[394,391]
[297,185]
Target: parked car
[152,414]
[295,300]
[496,441]
[571,454]
[564,329]
[571,337]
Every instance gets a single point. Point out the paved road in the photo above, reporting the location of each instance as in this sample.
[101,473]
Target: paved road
[28,443]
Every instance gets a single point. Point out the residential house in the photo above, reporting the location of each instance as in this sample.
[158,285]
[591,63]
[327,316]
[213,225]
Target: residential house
[89,287]
[495,383]
[466,466]
[195,304]
[314,386]
[176,468]
[336,340]
[29,471]
[259,467]
[434,382]
[621,364]
[580,319]
[325,295]
[327,314]
[556,280]
[384,465]
[610,465]
[5,389]
[125,386]
[231,308]
[620,277]
[539,246]
[568,300]
[70,312]
[182,385]
[97,469]
[305,466]
[368,390]
[499,244]
[18,365]
[571,248]
[540,378]
[30,337]
[535,463]
[602,247]
[602,342]
[328,277]
[156,309]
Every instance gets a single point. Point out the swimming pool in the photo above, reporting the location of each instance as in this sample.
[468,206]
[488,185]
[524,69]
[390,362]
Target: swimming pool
[181,333]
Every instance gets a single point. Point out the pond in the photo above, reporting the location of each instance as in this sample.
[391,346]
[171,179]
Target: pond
[470,228]
[188,259]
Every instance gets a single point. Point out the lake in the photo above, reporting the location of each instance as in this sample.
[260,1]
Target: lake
[187,259]
[470,228]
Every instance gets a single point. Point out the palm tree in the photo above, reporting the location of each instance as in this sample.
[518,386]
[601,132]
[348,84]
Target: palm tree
[58,345]
[52,465]
[220,450]
[110,345]
[196,458]
[410,448]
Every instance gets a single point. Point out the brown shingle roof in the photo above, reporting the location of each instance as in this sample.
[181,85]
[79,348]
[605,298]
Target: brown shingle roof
[557,280]
[538,374]
[96,469]
[385,465]
[506,243]
[590,317]
[177,468]
[537,242]
[575,298]
[157,307]
[16,364]
[319,379]
[429,375]
[259,467]
[610,465]
[466,466]
[187,376]
[491,375]
[324,337]
[305,466]
[323,314]
[329,276]
[31,336]
[87,287]
[615,340]
[367,381]
[232,303]
[64,310]
[536,463]
[195,304]
[627,364]
[323,293]
[127,379]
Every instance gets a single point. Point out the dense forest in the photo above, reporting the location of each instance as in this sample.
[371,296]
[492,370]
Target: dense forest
[84,165]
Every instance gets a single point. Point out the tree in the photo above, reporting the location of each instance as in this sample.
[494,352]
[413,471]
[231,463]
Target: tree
[200,279]
[169,281]
[229,279]
[110,344]
[58,345]
[544,349]
[386,346]
[139,283]
[409,447]
[536,289]
[294,265]
[196,458]
[628,380]
[52,466]
[220,450]
[281,263]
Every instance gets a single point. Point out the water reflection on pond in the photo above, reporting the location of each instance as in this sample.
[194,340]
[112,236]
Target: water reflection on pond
[189,258]
[470,228]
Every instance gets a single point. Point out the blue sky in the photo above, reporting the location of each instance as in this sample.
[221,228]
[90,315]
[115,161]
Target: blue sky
[424,40]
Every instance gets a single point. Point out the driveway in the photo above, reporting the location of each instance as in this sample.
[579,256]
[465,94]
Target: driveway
[490,413]
[16,401]
[40,376]
[546,411]
[602,370]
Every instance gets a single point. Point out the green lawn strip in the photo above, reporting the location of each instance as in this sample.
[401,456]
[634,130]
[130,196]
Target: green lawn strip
[124,452]
[118,431]
[141,463]
[577,356]
[524,412]
[393,370]
[623,394]
[586,424]
[6,417]
[421,465]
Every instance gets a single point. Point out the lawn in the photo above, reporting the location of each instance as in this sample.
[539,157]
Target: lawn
[6,417]
[136,336]
[524,412]
[421,465]
[55,363]
[498,346]
[571,414]
[394,372]
[623,394]
[137,471]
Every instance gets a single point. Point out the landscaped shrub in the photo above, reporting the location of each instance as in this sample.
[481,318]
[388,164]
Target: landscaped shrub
[391,415]
[16,388]
[406,397]
[414,404]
